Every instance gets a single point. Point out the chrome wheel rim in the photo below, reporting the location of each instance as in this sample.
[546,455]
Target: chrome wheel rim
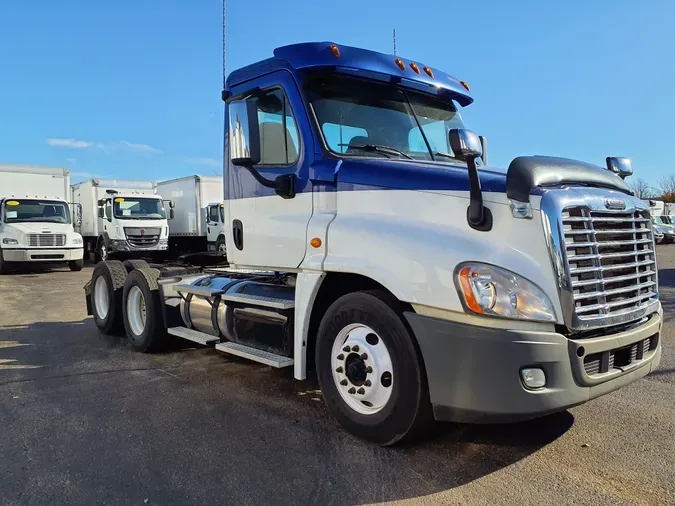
[101,300]
[362,369]
[136,311]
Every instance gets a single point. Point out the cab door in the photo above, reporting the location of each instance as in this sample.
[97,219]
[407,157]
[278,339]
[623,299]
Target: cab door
[212,225]
[265,229]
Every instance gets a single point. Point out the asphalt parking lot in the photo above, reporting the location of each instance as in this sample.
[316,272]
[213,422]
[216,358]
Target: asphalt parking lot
[84,419]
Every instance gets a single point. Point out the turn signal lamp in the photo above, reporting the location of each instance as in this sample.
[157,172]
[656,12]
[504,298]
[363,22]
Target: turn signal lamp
[315,242]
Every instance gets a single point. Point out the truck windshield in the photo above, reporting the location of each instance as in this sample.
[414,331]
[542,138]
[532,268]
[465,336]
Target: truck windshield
[137,208]
[38,211]
[364,118]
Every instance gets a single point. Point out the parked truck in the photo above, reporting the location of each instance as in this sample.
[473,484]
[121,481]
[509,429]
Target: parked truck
[198,223]
[36,219]
[122,218]
[366,244]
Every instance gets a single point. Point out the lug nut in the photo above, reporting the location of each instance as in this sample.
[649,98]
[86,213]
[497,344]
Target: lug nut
[339,369]
[346,349]
[364,356]
[369,369]
[352,390]
[355,349]
[361,391]
[367,383]
[340,357]
[343,383]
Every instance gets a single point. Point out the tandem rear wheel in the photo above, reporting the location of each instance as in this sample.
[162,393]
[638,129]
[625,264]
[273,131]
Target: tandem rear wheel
[370,371]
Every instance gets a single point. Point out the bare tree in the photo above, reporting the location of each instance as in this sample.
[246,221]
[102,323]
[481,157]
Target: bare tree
[667,188]
[641,188]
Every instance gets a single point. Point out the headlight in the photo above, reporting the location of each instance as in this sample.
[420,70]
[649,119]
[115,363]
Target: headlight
[9,240]
[489,290]
[77,240]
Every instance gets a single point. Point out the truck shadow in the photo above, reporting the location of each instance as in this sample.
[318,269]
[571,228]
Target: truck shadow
[197,423]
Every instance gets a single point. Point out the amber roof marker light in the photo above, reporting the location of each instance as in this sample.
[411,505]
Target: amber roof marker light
[415,68]
[466,85]
[335,49]
[400,63]
[429,72]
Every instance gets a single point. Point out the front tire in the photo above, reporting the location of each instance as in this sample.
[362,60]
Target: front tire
[107,284]
[4,266]
[76,265]
[369,369]
[102,252]
[142,310]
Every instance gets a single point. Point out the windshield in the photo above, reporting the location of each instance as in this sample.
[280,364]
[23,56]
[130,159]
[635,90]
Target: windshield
[657,220]
[363,118]
[136,208]
[40,211]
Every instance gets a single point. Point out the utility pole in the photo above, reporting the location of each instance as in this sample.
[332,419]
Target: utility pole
[224,42]
[394,40]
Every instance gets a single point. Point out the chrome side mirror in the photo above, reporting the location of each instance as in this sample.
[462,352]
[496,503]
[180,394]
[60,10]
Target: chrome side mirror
[621,166]
[244,133]
[465,144]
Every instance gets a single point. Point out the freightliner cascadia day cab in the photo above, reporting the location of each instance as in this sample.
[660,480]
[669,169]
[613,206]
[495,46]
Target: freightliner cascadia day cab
[366,243]
[122,218]
[199,219]
[36,219]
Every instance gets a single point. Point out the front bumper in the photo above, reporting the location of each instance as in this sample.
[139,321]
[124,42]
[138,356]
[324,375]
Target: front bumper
[118,246]
[42,255]
[474,372]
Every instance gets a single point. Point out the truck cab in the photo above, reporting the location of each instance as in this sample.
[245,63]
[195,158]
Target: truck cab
[132,224]
[368,240]
[38,230]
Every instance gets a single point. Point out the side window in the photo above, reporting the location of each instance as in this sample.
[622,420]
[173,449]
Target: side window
[213,214]
[222,213]
[108,208]
[279,140]
[338,137]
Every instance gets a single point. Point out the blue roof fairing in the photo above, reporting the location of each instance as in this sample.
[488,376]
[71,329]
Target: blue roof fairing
[319,55]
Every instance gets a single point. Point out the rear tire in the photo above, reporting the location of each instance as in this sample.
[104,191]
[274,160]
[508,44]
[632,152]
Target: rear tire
[107,285]
[76,265]
[142,310]
[391,377]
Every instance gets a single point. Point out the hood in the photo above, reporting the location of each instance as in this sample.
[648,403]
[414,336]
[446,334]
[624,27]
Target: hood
[41,228]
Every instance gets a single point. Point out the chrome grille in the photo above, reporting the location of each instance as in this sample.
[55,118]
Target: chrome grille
[610,261]
[46,240]
[142,237]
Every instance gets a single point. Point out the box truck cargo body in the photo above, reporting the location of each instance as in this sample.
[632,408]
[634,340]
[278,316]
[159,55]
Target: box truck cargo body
[36,219]
[121,217]
[198,223]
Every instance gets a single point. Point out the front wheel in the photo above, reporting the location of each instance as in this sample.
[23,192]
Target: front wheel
[102,251]
[76,265]
[4,266]
[220,245]
[369,369]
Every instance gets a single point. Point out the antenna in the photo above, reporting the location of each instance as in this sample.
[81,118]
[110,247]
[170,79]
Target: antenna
[224,42]
[394,40]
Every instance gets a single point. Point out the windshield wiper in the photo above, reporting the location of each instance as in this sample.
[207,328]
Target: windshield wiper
[379,148]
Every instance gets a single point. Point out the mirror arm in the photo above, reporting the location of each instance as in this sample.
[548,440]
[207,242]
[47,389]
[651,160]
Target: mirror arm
[478,216]
[283,184]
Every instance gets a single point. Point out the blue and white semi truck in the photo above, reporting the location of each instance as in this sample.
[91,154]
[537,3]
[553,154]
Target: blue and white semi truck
[368,241]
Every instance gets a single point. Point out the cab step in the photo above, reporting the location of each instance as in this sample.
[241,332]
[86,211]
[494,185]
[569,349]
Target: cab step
[254,354]
[193,335]
[260,300]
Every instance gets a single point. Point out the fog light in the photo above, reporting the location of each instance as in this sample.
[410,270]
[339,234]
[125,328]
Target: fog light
[533,377]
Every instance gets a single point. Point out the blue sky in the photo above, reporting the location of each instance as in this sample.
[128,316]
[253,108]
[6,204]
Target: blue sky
[132,88]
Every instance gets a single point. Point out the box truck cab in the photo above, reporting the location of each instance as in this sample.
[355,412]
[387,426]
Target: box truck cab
[36,220]
[368,243]
[123,218]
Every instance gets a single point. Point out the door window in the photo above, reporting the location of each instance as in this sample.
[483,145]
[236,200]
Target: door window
[213,214]
[279,141]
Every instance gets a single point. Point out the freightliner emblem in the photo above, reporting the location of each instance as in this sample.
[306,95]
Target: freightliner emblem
[615,204]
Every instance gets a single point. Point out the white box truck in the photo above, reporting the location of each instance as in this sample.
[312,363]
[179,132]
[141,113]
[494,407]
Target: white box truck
[36,221]
[199,221]
[122,218]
